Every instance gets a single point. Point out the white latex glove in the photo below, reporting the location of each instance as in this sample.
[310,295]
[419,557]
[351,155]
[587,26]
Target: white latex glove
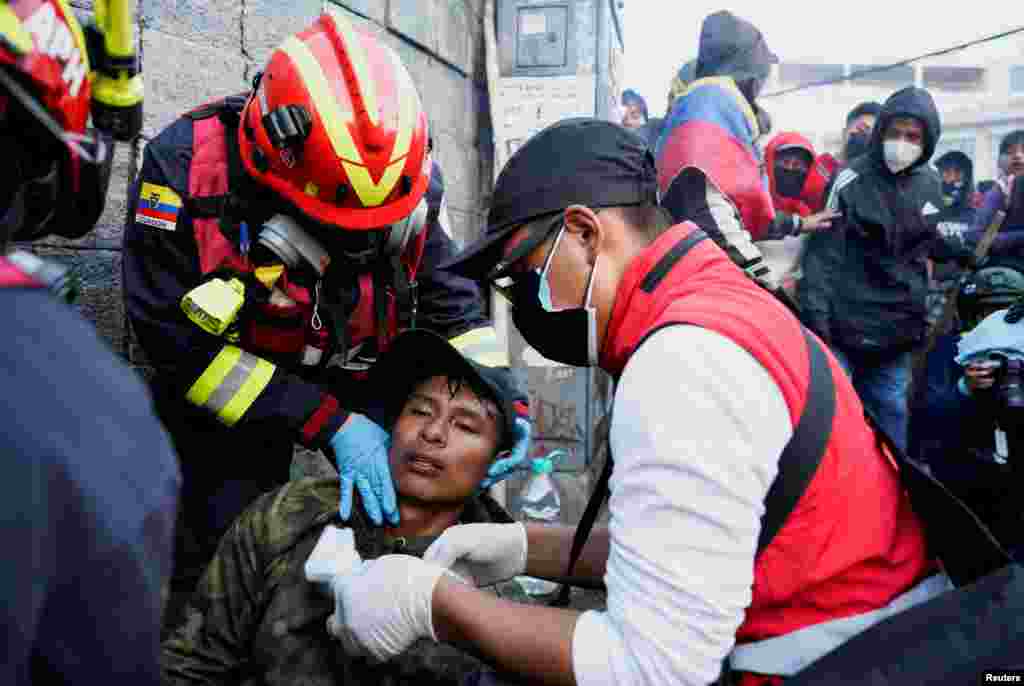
[385,605]
[489,552]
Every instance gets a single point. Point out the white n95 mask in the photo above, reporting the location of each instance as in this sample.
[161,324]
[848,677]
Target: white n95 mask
[900,154]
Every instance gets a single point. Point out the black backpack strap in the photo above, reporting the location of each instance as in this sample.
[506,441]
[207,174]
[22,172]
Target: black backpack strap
[797,465]
[806,448]
[586,524]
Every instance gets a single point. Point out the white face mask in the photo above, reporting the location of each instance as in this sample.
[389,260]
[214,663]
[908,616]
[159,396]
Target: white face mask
[900,154]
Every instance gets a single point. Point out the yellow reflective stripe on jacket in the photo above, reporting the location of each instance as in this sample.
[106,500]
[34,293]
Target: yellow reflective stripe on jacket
[482,346]
[231,384]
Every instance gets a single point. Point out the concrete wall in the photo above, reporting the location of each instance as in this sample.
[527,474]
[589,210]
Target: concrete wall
[197,50]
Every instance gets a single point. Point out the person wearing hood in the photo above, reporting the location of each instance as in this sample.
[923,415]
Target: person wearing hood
[789,158]
[865,284]
[1005,196]
[709,168]
[955,220]
[957,172]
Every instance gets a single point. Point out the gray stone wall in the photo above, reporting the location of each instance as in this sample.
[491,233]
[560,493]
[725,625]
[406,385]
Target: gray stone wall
[194,51]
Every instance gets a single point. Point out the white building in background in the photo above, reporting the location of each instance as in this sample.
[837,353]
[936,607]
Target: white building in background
[979,93]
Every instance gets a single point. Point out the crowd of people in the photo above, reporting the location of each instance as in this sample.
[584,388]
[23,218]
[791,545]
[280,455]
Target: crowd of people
[288,271]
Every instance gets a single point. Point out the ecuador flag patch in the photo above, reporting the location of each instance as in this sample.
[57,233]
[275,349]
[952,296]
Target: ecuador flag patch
[158,207]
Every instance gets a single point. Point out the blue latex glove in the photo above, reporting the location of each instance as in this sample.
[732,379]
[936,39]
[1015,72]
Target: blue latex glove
[361,449]
[503,467]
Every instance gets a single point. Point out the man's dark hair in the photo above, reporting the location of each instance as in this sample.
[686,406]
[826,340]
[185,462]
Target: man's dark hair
[456,382]
[649,220]
[1012,138]
[869,107]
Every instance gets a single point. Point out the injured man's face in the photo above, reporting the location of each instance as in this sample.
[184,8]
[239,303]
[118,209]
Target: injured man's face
[443,442]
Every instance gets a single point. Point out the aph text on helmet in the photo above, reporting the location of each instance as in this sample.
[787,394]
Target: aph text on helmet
[53,38]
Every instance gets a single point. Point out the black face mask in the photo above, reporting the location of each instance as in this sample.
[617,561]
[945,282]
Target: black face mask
[789,183]
[566,336]
[952,192]
[856,145]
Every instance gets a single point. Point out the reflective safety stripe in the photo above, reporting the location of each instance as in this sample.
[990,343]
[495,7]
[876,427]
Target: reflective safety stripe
[482,346]
[786,655]
[231,384]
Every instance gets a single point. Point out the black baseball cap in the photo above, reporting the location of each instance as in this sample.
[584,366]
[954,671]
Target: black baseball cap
[418,354]
[581,160]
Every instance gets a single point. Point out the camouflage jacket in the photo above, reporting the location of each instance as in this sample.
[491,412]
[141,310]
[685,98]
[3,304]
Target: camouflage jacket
[255,619]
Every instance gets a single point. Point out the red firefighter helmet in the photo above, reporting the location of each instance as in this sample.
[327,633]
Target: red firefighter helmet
[45,100]
[336,127]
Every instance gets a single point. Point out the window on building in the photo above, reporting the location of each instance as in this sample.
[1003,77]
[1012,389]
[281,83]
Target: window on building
[795,74]
[896,77]
[954,78]
[1017,80]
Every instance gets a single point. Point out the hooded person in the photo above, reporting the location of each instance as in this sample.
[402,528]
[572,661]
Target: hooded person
[890,201]
[955,220]
[789,158]
[957,172]
[709,168]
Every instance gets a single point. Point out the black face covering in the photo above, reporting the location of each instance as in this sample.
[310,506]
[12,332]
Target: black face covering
[856,145]
[562,336]
[952,192]
[789,182]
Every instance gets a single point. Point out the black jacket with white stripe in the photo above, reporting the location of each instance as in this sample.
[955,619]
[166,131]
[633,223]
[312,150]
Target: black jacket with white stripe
[865,282]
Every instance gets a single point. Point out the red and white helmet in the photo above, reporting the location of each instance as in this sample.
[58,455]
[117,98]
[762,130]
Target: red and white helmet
[336,127]
[61,170]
